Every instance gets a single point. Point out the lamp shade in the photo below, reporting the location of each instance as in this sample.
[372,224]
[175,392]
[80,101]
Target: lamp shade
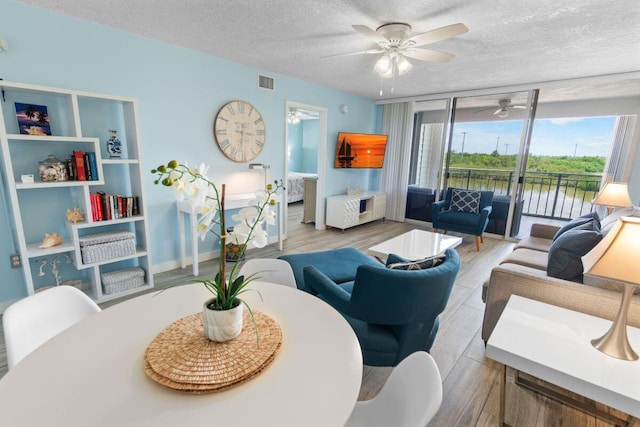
[615,195]
[383,64]
[403,64]
[615,258]
[504,113]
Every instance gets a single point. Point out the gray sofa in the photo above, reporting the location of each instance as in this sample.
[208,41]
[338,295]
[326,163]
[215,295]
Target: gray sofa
[524,272]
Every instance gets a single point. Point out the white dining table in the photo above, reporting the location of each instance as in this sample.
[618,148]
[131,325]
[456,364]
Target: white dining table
[92,374]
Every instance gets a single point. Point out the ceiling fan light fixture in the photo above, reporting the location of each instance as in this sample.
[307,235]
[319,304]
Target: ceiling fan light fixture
[383,64]
[292,117]
[403,64]
[504,113]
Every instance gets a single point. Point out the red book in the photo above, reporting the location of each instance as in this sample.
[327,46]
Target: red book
[80,171]
[94,208]
[120,208]
[98,202]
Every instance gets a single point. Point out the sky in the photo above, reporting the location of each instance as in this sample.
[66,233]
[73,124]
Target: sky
[551,137]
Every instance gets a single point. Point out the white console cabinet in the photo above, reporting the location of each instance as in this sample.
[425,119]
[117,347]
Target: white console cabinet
[348,211]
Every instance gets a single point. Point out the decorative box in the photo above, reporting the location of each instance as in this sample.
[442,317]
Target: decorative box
[122,280]
[105,246]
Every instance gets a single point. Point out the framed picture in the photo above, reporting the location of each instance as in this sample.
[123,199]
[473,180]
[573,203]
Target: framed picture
[33,119]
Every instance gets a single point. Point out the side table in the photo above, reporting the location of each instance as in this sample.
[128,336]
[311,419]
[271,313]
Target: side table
[554,344]
[232,201]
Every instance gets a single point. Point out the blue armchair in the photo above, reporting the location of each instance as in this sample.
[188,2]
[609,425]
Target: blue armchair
[463,218]
[393,312]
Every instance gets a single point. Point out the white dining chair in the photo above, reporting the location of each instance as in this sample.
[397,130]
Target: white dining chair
[271,270]
[410,398]
[30,322]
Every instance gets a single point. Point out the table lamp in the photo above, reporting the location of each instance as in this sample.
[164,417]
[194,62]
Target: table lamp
[613,195]
[615,259]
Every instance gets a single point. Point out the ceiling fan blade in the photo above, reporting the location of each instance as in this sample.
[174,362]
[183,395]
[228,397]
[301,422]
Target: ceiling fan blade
[519,107]
[438,34]
[499,110]
[483,109]
[428,55]
[368,32]
[362,52]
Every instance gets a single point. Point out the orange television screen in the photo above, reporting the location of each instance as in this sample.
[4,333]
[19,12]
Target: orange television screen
[360,150]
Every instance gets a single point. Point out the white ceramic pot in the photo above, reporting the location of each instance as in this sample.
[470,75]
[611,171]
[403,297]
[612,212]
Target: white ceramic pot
[222,325]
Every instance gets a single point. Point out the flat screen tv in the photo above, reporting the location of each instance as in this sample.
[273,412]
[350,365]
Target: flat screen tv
[360,150]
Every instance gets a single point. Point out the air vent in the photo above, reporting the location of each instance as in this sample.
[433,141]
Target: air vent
[265,82]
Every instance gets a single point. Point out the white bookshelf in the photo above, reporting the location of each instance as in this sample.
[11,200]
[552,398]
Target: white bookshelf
[79,121]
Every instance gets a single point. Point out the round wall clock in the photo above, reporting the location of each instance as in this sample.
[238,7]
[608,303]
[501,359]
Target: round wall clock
[239,131]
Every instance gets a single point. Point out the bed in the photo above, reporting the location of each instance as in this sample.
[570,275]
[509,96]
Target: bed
[295,187]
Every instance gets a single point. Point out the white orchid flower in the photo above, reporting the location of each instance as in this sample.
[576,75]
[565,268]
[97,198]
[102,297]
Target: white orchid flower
[202,228]
[246,215]
[240,234]
[260,238]
[269,215]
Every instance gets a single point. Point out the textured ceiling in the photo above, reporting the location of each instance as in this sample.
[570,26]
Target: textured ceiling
[509,42]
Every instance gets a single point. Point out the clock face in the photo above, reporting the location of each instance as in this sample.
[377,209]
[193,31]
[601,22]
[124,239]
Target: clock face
[239,131]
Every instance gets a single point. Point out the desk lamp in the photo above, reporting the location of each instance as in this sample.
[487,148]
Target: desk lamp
[615,259]
[613,195]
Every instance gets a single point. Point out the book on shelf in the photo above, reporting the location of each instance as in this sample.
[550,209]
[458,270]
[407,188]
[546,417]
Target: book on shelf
[82,166]
[93,165]
[112,206]
[81,174]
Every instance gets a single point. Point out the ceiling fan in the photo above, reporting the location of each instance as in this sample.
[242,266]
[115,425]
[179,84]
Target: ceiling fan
[504,105]
[395,44]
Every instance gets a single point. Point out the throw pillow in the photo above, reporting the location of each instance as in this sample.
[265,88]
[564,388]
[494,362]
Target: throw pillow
[465,201]
[421,264]
[581,220]
[566,252]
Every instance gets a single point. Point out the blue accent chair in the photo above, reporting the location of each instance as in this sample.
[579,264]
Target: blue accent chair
[462,222]
[392,312]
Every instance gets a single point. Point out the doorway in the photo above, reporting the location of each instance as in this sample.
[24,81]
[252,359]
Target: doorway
[305,155]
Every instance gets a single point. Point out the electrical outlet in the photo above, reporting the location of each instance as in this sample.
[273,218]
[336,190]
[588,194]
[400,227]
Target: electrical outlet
[15,260]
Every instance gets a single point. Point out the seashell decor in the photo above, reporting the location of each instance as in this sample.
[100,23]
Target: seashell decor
[50,240]
[74,215]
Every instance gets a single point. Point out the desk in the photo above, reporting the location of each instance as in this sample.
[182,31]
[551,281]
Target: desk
[554,344]
[92,373]
[231,201]
[415,244]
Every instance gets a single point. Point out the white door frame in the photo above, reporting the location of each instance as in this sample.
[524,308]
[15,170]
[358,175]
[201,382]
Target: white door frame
[322,158]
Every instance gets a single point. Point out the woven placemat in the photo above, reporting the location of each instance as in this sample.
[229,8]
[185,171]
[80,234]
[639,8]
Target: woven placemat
[182,358]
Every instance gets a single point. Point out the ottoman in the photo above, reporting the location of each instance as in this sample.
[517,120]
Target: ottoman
[340,265]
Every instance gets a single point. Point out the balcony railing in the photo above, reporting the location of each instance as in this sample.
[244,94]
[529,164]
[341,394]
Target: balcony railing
[546,194]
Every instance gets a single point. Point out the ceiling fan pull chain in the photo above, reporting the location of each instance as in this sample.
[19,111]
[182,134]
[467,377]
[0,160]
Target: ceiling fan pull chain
[381,84]
[393,75]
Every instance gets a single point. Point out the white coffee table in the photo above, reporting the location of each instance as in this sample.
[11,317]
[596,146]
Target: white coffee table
[415,244]
[554,344]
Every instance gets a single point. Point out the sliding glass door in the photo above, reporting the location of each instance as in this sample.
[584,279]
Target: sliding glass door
[487,149]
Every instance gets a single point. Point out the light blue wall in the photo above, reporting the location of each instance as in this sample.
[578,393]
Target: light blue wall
[179,92]
[294,145]
[310,138]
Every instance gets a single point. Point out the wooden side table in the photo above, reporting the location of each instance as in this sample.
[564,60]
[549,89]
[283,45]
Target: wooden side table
[309,200]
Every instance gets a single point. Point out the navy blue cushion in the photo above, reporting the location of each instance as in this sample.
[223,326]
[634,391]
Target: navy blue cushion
[420,264]
[583,219]
[567,250]
[465,201]
[459,218]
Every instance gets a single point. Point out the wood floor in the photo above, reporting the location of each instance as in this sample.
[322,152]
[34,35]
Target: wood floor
[471,382]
